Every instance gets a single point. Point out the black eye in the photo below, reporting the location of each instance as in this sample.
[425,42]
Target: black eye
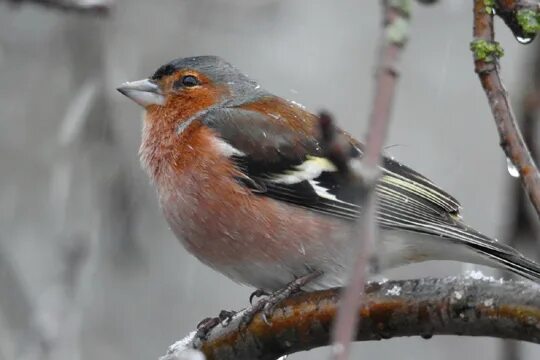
[188,81]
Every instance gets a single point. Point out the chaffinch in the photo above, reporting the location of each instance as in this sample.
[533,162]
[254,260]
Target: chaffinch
[245,185]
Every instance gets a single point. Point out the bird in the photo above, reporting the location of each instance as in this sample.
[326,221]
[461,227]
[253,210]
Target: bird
[245,184]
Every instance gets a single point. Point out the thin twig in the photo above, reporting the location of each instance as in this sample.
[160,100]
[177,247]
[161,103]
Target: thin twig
[15,305]
[486,52]
[523,232]
[395,20]
[472,306]
[101,7]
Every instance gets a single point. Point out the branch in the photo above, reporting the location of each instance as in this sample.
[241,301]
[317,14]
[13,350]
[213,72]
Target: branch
[523,232]
[15,304]
[472,306]
[102,7]
[521,16]
[395,34]
[486,53]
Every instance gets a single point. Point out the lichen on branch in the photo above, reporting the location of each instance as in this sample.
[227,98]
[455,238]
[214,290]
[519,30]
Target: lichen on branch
[490,6]
[529,21]
[488,51]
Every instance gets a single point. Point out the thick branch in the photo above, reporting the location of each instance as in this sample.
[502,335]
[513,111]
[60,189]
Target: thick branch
[472,306]
[395,35]
[486,53]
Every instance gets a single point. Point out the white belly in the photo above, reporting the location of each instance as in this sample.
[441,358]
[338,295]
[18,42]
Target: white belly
[394,248]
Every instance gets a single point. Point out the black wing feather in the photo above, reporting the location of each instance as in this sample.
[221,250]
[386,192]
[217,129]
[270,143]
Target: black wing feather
[271,148]
[407,200]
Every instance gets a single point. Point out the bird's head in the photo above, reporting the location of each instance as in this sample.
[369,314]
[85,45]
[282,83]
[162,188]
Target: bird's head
[186,86]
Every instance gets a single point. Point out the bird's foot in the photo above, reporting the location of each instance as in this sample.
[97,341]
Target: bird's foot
[207,324]
[269,303]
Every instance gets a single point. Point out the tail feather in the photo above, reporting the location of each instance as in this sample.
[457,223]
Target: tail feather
[501,255]
[513,261]
[504,255]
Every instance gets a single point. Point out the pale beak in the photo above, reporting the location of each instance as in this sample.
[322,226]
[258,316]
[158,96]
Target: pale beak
[144,92]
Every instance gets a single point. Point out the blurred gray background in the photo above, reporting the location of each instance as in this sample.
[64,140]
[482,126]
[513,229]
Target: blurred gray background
[88,266]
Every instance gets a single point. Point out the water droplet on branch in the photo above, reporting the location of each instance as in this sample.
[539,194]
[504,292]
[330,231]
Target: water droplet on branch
[524,40]
[512,170]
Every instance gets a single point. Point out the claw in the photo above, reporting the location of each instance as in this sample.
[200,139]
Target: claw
[265,319]
[267,312]
[225,317]
[205,322]
[257,293]
[204,327]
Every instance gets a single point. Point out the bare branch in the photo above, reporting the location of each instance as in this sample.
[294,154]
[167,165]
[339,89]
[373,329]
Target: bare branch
[395,34]
[86,142]
[486,53]
[524,231]
[472,306]
[427,2]
[15,305]
[102,7]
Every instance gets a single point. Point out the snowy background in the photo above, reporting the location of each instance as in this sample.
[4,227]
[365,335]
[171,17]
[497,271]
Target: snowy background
[88,267]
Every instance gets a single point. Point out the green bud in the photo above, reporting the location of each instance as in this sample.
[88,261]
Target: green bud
[529,21]
[486,51]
